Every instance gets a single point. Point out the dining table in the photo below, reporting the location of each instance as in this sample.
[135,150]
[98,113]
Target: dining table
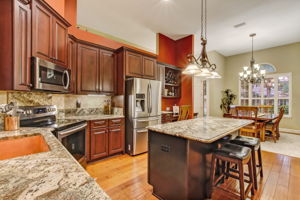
[263,118]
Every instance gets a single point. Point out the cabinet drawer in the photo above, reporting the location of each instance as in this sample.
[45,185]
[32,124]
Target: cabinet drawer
[115,122]
[99,124]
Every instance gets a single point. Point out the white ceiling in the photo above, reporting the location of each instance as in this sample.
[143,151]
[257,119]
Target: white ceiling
[276,22]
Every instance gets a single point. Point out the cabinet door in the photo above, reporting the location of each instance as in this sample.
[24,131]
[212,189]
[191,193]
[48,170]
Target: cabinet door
[22,44]
[72,58]
[107,71]
[60,35]
[87,69]
[116,140]
[149,67]
[134,64]
[99,143]
[41,32]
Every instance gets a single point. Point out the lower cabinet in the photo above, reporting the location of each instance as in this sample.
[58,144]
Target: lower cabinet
[107,138]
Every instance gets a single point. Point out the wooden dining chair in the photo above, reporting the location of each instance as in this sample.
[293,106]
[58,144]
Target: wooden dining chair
[248,112]
[273,127]
[184,112]
[267,109]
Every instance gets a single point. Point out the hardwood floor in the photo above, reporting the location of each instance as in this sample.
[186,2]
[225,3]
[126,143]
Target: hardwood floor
[125,177]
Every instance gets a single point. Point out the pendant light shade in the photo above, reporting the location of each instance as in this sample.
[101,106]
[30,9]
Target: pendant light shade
[191,69]
[201,66]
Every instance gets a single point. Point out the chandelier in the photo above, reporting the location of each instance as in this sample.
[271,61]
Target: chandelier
[252,74]
[201,66]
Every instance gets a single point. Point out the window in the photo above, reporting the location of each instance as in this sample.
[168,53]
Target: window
[275,90]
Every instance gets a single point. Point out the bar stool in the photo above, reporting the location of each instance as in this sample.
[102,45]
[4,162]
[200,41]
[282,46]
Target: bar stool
[254,145]
[235,154]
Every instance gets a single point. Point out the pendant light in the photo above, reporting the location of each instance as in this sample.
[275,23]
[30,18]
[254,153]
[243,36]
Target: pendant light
[252,74]
[201,66]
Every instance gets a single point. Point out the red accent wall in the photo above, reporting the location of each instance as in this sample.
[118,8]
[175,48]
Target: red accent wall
[174,53]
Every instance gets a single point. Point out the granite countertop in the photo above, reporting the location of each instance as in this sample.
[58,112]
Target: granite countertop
[49,175]
[93,117]
[206,130]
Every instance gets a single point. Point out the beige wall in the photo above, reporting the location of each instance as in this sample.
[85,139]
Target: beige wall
[216,85]
[285,59]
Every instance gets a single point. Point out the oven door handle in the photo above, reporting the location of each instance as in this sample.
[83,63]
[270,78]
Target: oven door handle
[67,132]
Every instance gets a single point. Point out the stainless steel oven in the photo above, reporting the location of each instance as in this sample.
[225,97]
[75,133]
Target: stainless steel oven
[49,76]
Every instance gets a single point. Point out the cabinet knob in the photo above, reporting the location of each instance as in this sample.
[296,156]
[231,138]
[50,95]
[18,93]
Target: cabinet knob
[29,85]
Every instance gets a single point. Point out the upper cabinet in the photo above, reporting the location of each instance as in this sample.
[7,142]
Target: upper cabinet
[72,61]
[49,33]
[15,38]
[132,63]
[107,71]
[96,70]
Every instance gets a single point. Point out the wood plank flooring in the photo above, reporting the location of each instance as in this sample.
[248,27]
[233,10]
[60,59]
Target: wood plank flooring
[125,177]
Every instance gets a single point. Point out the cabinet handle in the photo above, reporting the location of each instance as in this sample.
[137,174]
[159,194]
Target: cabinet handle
[100,123]
[115,130]
[98,133]
[116,120]
[29,85]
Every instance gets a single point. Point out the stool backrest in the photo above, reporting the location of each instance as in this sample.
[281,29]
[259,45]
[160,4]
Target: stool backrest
[247,112]
[184,112]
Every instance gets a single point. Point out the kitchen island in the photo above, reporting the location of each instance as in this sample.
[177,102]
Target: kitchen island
[179,155]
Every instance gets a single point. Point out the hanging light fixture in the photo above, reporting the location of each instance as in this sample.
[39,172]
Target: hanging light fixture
[201,66]
[252,74]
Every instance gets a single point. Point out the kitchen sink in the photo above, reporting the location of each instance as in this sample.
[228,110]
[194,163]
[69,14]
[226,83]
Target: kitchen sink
[12,147]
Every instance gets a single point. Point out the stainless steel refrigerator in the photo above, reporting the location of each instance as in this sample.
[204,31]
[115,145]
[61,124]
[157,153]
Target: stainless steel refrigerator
[143,108]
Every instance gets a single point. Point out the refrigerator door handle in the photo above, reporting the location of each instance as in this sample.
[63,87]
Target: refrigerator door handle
[150,98]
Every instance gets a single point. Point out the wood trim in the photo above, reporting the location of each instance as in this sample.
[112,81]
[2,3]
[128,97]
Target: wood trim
[93,44]
[135,51]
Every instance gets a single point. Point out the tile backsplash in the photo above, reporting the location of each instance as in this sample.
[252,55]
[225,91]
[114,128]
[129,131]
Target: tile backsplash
[66,103]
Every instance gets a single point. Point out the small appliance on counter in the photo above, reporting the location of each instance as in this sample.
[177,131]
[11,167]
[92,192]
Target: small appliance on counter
[71,133]
[143,108]
[176,110]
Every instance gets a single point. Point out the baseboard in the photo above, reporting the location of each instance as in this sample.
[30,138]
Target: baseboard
[287,130]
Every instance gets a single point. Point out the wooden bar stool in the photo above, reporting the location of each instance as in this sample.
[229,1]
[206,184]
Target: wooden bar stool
[233,154]
[254,145]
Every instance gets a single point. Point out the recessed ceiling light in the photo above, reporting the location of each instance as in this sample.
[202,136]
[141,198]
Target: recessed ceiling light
[239,25]
[165,0]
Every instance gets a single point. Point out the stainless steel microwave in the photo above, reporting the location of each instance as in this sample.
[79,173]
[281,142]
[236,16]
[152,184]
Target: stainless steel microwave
[49,76]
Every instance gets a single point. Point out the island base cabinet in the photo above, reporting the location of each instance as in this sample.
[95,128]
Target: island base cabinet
[179,168]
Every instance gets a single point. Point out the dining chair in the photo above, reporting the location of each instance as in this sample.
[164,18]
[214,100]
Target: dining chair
[265,109]
[249,112]
[184,112]
[273,127]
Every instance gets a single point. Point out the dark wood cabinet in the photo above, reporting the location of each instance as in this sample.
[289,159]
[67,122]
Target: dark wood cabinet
[60,38]
[107,71]
[96,70]
[15,38]
[87,69]
[72,62]
[49,33]
[134,64]
[107,138]
[131,63]
[99,145]
[116,140]
[150,67]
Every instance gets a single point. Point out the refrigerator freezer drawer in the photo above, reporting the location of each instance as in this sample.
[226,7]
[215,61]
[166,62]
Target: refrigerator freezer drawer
[140,141]
[144,122]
